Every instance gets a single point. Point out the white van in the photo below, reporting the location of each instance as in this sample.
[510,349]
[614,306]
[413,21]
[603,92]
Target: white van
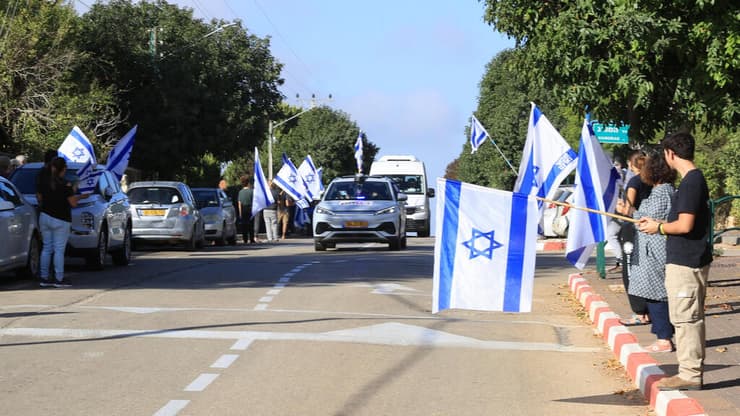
[409,174]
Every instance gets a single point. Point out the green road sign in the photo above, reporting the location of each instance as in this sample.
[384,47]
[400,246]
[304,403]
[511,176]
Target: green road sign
[610,133]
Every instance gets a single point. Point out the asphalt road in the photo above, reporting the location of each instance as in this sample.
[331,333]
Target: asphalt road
[282,330]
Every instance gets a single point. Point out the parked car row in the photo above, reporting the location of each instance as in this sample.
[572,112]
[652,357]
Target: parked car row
[111,221]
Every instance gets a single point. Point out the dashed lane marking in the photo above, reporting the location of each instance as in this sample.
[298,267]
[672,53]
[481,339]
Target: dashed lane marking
[201,382]
[172,408]
[225,361]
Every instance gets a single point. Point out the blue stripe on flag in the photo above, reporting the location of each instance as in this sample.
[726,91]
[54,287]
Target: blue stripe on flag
[449,242]
[589,192]
[575,255]
[125,152]
[291,190]
[529,180]
[557,168]
[83,141]
[515,260]
[536,114]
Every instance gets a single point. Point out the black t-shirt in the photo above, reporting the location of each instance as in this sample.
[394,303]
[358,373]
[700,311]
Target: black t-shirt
[691,249]
[643,190]
[54,200]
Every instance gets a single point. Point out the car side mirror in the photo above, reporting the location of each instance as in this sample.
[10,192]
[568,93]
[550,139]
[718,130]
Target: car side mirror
[6,206]
[430,192]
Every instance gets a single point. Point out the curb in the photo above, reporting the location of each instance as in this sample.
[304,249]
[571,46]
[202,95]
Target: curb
[551,245]
[641,367]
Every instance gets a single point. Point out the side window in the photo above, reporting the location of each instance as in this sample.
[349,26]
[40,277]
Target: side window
[8,193]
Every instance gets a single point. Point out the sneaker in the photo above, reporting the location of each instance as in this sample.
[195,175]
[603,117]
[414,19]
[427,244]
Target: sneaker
[64,283]
[677,383]
[46,283]
[660,346]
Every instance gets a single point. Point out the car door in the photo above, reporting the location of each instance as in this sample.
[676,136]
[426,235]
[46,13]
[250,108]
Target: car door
[228,208]
[117,211]
[14,224]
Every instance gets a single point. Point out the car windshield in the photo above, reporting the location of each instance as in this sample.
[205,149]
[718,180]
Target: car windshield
[408,184]
[156,195]
[25,179]
[206,198]
[369,190]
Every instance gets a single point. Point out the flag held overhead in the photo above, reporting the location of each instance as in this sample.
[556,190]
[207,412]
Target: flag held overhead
[76,147]
[120,154]
[262,197]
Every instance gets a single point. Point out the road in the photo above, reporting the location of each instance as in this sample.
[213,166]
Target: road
[282,330]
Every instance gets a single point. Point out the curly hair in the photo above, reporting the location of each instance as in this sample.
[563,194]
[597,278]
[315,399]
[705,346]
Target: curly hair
[656,170]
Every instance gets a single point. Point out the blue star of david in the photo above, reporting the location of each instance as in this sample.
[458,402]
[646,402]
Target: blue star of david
[91,182]
[486,252]
[535,170]
[78,153]
[292,178]
[309,178]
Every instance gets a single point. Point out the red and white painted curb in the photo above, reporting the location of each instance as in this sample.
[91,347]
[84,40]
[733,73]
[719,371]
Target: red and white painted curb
[641,367]
[551,245]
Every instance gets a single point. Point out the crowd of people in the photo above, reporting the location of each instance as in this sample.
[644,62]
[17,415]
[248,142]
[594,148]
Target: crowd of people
[666,254]
[8,165]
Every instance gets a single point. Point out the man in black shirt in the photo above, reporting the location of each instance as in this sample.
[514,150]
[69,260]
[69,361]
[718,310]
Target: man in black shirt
[688,256]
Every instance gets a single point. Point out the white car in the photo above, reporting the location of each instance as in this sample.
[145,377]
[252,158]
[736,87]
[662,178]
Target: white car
[360,209]
[556,218]
[21,242]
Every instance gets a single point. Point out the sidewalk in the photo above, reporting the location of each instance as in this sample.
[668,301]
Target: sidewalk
[721,394]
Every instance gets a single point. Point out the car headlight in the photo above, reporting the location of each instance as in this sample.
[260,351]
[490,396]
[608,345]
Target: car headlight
[87,219]
[420,208]
[389,210]
[322,210]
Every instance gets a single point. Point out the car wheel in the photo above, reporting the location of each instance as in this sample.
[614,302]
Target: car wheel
[424,230]
[395,244]
[97,259]
[202,240]
[319,246]
[122,257]
[403,243]
[33,263]
[192,243]
[221,241]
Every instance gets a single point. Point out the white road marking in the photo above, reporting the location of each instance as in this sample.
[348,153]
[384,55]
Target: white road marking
[273,292]
[242,344]
[225,361]
[391,333]
[260,307]
[172,408]
[133,309]
[288,274]
[279,286]
[266,299]
[201,382]
[284,279]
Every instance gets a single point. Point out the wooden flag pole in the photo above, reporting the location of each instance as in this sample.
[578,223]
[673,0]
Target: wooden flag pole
[608,214]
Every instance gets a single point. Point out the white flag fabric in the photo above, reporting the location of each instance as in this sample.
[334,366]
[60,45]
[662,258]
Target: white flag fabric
[262,197]
[477,134]
[88,179]
[597,181]
[289,180]
[76,147]
[118,157]
[485,248]
[546,159]
[310,176]
[358,152]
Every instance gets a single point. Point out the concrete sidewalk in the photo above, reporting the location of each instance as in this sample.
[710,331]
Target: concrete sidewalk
[721,394]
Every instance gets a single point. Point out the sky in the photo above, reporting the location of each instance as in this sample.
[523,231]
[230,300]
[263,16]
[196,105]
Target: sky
[407,72]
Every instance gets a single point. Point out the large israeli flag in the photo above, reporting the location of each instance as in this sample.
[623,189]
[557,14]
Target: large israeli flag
[311,177]
[546,159]
[88,178]
[118,157]
[76,147]
[484,254]
[597,181]
[477,134]
[262,197]
[289,180]
[358,152]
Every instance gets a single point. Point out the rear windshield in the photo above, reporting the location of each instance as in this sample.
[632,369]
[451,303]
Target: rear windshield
[408,184]
[206,198]
[25,179]
[154,195]
[371,191]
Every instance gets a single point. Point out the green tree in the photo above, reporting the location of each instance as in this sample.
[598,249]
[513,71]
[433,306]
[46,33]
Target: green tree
[656,65]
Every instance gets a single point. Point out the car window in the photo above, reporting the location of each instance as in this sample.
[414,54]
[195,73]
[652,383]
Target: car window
[408,184]
[25,179]
[369,190]
[9,194]
[103,183]
[206,198]
[154,195]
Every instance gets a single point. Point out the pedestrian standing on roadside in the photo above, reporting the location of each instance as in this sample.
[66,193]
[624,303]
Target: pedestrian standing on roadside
[245,209]
[688,256]
[284,202]
[55,221]
[270,215]
[647,265]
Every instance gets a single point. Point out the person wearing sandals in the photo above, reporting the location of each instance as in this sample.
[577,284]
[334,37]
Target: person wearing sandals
[635,192]
[647,268]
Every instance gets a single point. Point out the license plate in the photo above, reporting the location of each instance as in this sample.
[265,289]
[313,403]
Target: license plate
[355,224]
[152,212]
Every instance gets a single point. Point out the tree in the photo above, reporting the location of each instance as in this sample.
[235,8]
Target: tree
[329,136]
[656,65]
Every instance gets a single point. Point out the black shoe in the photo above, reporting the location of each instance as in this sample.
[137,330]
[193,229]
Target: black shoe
[64,283]
[46,283]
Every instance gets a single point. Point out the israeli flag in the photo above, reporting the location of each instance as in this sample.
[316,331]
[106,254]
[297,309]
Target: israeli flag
[76,147]
[311,177]
[289,180]
[358,151]
[546,160]
[262,197]
[477,134]
[88,178]
[596,188]
[301,217]
[484,253]
[120,154]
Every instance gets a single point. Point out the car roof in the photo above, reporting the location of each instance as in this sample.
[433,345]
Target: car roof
[141,184]
[72,165]
[204,189]
[352,178]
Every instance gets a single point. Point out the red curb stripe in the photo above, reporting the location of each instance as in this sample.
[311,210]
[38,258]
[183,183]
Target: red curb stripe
[591,299]
[619,341]
[684,407]
[637,359]
[649,383]
[605,330]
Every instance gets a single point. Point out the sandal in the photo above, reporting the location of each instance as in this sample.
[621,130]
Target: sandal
[635,320]
[659,346]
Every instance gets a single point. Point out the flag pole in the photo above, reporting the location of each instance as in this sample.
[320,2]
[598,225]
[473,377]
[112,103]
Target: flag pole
[497,148]
[608,214]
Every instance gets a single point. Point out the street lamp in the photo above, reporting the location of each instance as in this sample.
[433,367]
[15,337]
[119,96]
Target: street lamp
[272,126]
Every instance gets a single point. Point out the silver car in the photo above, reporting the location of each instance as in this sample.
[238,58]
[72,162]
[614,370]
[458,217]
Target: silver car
[101,224]
[165,211]
[218,213]
[21,243]
[358,209]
